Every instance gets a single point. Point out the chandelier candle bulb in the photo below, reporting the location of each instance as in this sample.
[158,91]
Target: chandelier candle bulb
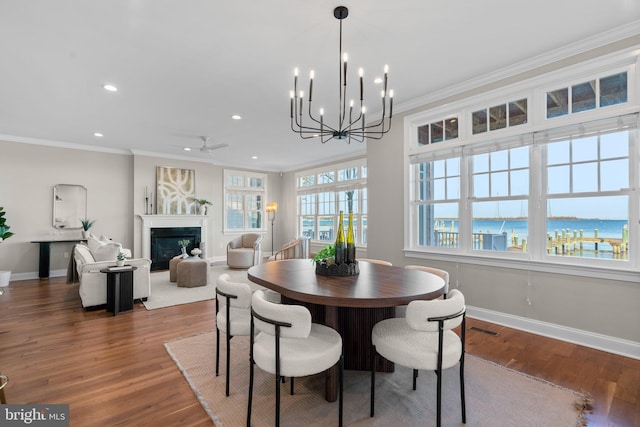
[310,84]
[361,72]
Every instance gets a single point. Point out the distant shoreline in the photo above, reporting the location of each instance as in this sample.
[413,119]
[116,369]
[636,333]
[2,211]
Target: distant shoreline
[522,218]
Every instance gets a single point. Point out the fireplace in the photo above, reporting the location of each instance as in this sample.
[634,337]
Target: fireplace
[169,248]
[164,244]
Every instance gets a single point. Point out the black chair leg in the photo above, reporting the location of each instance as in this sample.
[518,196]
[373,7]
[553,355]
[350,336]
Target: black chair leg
[250,392]
[291,386]
[462,401]
[415,378]
[439,398]
[217,351]
[341,379]
[226,389]
[373,380]
[277,400]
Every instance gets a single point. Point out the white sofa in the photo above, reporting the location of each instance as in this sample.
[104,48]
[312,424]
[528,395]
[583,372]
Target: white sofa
[93,283]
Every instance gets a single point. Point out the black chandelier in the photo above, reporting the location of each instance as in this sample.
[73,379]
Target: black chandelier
[348,128]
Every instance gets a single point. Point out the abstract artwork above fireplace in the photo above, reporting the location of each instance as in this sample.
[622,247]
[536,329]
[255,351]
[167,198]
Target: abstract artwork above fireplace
[176,191]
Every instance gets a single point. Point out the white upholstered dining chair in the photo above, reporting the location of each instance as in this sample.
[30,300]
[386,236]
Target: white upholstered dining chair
[441,273]
[233,315]
[424,340]
[290,345]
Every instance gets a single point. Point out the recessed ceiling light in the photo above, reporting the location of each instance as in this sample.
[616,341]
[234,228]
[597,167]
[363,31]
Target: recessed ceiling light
[98,134]
[187,149]
[110,88]
[236,117]
[378,80]
[254,157]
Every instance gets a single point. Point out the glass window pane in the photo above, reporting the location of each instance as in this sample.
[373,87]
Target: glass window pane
[306,181]
[498,117]
[583,96]
[453,166]
[438,225]
[254,219]
[348,174]
[558,153]
[479,121]
[614,145]
[518,112]
[235,181]
[439,192]
[500,160]
[589,227]
[437,132]
[481,163]
[327,203]
[499,184]
[500,226]
[585,177]
[558,180]
[614,175]
[255,182]
[585,149]
[326,228]
[364,229]
[557,103]
[363,192]
[438,169]
[308,226]
[453,188]
[423,135]
[520,182]
[451,128]
[613,89]
[307,204]
[481,185]
[519,157]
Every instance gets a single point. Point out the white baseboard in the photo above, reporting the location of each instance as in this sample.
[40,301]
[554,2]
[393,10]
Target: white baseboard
[34,275]
[588,339]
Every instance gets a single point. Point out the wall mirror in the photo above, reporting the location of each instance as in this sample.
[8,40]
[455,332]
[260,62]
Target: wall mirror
[69,205]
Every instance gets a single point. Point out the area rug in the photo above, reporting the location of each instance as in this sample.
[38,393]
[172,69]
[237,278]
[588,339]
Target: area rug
[496,396]
[165,293]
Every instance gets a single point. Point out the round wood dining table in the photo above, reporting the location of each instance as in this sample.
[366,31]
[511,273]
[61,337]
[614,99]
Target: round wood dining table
[351,305]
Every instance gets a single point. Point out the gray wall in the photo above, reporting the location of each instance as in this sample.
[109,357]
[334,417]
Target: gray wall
[115,196]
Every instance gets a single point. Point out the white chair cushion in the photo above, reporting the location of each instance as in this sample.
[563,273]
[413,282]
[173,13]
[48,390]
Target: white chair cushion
[396,341]
[319,351]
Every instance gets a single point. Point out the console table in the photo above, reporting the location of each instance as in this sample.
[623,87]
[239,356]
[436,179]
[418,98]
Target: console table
[119,288]
[45,254]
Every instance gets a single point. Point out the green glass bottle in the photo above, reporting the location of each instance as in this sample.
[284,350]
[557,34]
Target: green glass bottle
[341,246]
[351,241]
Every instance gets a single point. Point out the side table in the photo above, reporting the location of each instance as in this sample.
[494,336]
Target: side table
[119,288]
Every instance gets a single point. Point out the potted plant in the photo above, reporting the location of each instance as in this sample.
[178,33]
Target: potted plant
[86,225]
[202,205]
[5,276]
[183,245]
[120,259]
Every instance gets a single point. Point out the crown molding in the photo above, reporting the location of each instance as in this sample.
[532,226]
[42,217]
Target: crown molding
[62,144]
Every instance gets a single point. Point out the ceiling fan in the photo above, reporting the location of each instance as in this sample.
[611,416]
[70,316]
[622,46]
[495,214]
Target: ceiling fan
[205,148]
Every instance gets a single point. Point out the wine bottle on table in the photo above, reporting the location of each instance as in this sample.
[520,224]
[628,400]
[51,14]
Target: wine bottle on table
[351,241]
[341,246]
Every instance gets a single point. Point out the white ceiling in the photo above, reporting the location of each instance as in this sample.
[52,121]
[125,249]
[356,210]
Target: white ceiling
[183,68]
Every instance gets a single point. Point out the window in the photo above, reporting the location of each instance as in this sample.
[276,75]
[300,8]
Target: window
[324,192]
[441,130]
[487,199]
[500,116]
[244,195]
[609,90]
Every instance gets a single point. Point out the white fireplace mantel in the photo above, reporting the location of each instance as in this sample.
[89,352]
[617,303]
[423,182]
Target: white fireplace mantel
[168,221]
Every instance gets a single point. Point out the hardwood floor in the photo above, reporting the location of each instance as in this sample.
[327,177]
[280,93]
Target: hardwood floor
[114,371]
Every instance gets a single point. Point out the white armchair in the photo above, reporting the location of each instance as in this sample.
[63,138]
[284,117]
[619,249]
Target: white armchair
[93,283]
[245,251]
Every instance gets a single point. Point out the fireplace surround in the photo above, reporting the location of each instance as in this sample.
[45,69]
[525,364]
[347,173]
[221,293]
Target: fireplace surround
[169,229]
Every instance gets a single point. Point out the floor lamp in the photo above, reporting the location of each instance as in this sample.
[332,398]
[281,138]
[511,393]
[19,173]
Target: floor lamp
[271,215]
